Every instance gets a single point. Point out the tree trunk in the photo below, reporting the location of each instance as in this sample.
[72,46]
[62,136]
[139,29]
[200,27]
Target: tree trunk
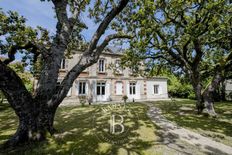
[199,105]
[36,113]
[208,94]
[33,126]
[194,76]
[223,90]
[35,116]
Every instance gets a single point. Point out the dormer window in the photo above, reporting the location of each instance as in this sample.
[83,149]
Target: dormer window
[101,67]
[118,66]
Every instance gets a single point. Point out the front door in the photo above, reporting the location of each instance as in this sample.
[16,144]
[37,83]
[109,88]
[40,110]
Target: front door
[101,91]
[133,90]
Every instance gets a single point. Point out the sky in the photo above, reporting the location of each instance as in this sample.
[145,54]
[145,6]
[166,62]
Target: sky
[42,14]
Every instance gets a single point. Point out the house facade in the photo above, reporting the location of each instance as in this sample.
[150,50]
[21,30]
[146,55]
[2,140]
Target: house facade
[107,81]
[228,89]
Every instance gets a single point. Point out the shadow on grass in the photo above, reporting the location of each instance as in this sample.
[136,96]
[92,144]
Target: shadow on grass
[184,114]
[77,135]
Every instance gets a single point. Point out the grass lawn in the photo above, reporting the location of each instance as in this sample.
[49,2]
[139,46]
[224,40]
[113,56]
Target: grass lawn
[77,134]
[184,114]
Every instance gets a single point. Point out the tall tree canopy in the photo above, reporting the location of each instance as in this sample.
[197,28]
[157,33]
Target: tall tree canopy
[36,112]
[194,36]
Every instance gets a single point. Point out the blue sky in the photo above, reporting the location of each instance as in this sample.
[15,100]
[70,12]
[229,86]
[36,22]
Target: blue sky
[36,12]
[42,14]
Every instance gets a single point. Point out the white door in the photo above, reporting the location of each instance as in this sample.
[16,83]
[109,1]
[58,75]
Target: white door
[101,91]
[133,90]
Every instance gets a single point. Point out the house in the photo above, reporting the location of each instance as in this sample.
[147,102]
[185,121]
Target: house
[228,89]
[107,81]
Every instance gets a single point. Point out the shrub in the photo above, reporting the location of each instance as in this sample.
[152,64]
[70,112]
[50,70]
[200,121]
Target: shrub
[82,100]
[124,98]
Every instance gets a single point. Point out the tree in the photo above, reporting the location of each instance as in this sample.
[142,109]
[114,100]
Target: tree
[36,112]
[184,34]
[26,77]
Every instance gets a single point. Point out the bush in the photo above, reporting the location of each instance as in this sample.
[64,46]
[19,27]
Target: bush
[192,96]
[180,90]
[82,100]
[124,98]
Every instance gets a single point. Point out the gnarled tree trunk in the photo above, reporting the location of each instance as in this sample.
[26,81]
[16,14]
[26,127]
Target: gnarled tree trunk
[194,76]
[36,113]
[223,89]
[35,118]
[208,93]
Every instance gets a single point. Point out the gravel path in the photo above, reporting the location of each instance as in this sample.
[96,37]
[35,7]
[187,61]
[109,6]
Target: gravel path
[183,140]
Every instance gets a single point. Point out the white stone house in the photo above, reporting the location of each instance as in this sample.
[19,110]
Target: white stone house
[101,83]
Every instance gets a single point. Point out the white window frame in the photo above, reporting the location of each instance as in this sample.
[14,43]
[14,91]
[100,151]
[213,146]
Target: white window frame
[101,85]
[63,64]
[132,88]
[156,89]
[101,65]
[82,88]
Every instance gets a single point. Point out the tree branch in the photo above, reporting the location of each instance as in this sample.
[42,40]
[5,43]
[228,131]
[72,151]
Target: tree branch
[14,89]
[13,49]
[108,39]
[199,53]
[63,25]
[105,23]
[87,58]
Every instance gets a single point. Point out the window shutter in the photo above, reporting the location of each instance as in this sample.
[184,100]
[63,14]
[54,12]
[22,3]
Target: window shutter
[86,88]
[137,91]
[66,63]
[98,65]
[105,65]
[77,87]
[128,89]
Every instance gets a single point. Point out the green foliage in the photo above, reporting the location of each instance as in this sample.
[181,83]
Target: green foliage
[178,88]
[27,41]
[26,76]
[191,36]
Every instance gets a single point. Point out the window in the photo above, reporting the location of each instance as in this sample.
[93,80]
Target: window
[101,66]
[118,88]
[132,88]
[82,88]
[101,88]
[62,66]
[156,89]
